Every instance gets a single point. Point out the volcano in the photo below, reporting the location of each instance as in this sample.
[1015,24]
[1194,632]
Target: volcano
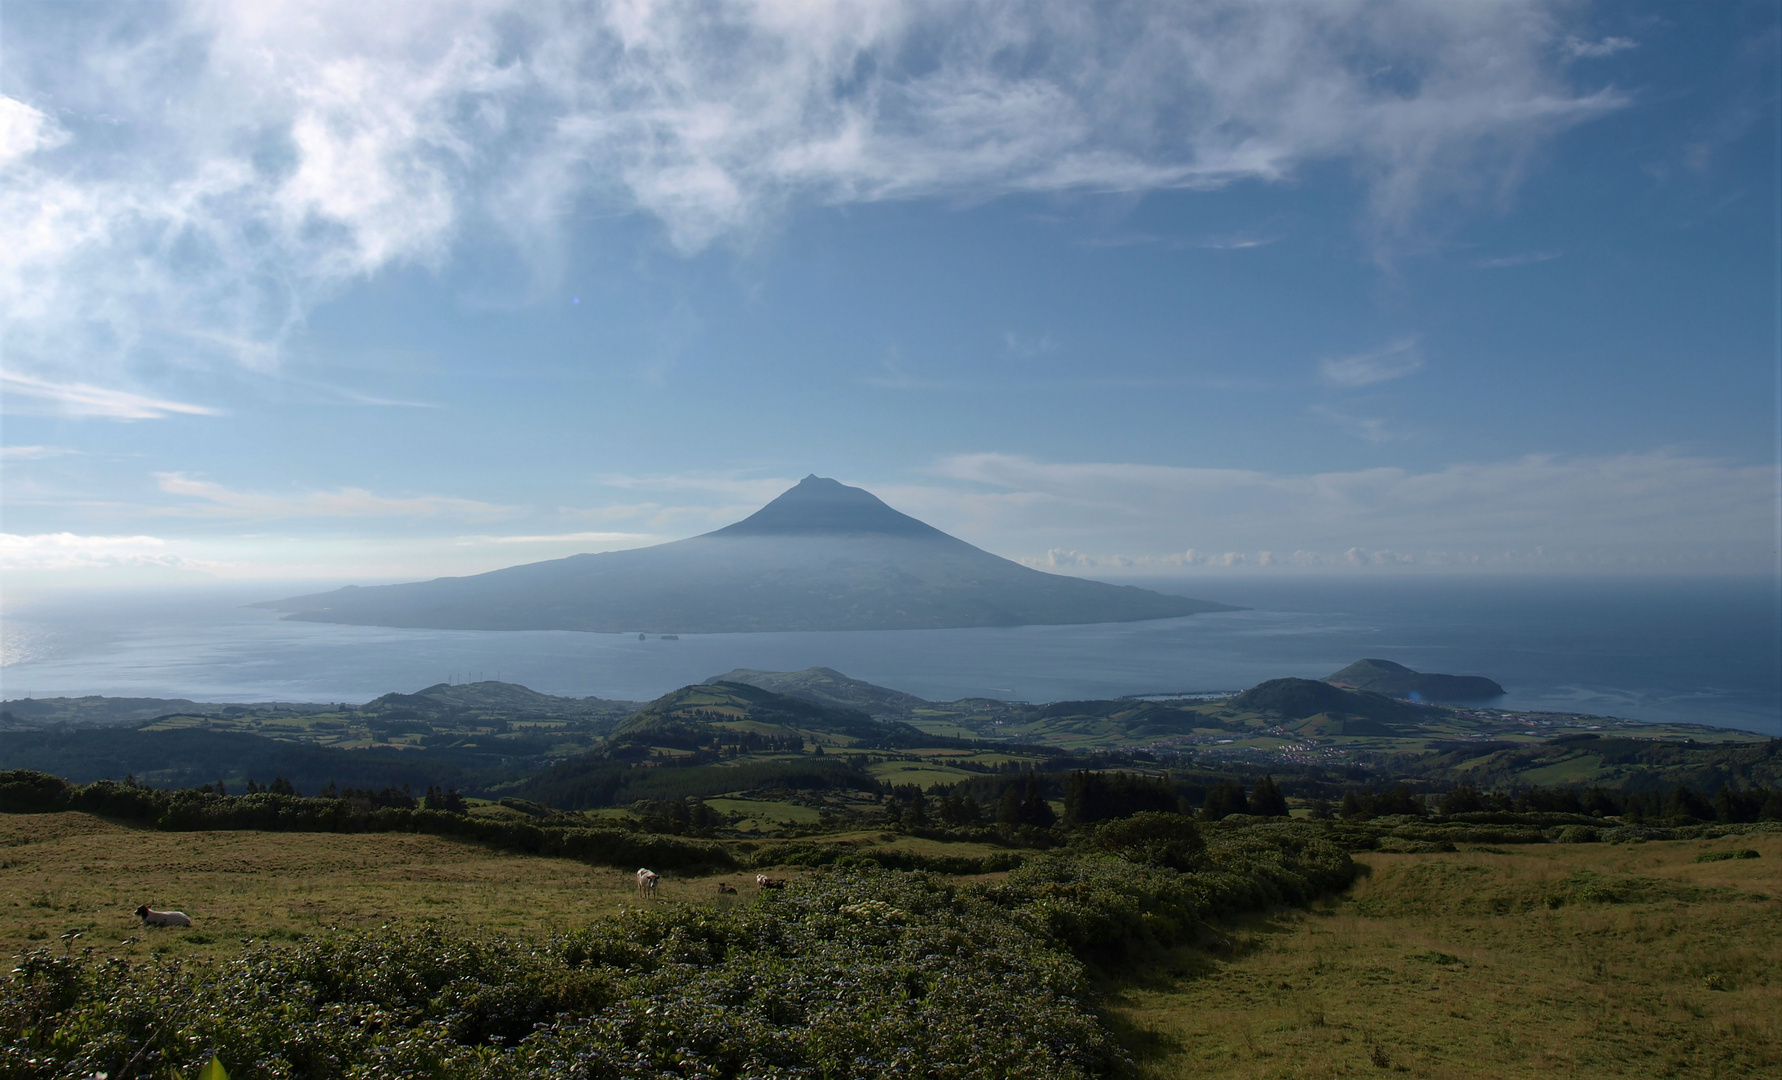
[822,556]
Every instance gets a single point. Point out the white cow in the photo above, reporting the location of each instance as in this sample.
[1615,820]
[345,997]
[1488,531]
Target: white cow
[646,882]
[151,917]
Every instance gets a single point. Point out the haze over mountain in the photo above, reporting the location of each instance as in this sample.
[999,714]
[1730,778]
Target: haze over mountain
[822,556]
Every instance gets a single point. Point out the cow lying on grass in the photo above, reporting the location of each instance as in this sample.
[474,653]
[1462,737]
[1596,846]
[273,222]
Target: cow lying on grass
[151,917]
[766,882]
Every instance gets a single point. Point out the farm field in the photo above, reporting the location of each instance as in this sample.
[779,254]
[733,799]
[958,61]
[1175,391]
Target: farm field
[1582,960]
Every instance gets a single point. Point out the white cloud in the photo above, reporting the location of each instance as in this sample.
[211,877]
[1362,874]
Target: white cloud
[1524,259]
[24,131]
[33,453]
[219,167]
[1593,50]
[84,399]
[1395,361]
[217,501]
[69,551]
[1658,508]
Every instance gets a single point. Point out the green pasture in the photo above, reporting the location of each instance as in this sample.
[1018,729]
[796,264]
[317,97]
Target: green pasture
[760,810]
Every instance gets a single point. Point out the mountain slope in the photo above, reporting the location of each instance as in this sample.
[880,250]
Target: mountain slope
[822,556]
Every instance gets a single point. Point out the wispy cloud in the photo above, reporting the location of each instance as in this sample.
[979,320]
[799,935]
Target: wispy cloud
[85,399]
[215,500]
[1028,346]
[1523,259]
[897,377]
[1653,508]
[1593,50]
[33,453]
[255,159]
[1395,361]
[1368,428]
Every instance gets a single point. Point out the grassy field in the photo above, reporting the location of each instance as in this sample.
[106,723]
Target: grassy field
[62,872]
[1577,960]
[1550,960]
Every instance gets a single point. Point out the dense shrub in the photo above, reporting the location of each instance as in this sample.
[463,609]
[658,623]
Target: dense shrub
[1104,907]
[1159,839]
[849,974]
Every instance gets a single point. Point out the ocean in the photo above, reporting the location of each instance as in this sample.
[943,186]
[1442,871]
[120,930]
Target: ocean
[1700,650]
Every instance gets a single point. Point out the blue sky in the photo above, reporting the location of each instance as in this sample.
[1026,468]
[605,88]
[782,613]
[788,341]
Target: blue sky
[346,292]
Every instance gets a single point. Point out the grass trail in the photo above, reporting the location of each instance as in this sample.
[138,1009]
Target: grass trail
[1570,960]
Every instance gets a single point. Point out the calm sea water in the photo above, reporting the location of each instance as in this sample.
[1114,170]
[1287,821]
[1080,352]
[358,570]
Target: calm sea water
[1702,651]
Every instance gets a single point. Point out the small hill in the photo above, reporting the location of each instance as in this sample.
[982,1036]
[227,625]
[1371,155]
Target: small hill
[96,711]
[491,696]
[721,737]
[191,756]
[1616,761]
[740,706]
[822,556]
[1396,680]
[827,686]
[1296,699]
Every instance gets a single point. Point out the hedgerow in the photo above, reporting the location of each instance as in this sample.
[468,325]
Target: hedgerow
[183,811]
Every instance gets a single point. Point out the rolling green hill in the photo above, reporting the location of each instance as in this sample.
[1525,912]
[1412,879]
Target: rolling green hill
[739,707]
[827,686]
[443,701]
[94,710]
[1396,680]
[1614,761]
[1297,699]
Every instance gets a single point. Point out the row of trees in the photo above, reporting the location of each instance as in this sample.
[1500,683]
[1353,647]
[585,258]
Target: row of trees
[1022,803]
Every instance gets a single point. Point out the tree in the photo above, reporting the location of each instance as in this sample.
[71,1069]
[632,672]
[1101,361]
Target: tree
[1035,810]
[1267,799]
[970,813]
[1226,797]
[916,815]
[1008,808]
[1464,799]
[1686,803]
[1095,796]
[1351,807]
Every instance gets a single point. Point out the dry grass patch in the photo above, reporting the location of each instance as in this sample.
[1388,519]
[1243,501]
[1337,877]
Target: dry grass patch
[1575,960]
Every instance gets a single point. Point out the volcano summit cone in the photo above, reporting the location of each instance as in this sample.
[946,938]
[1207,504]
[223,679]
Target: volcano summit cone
[822,556]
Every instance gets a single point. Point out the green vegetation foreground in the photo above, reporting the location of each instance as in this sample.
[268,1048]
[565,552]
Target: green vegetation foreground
[851,972]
